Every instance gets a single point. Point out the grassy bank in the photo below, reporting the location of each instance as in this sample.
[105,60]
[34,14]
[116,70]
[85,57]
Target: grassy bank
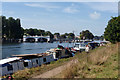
[29,73]
[99,63]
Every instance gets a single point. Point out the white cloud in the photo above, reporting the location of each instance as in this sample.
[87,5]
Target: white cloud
[104,6]
[95,15]
[46,6]
[71,9]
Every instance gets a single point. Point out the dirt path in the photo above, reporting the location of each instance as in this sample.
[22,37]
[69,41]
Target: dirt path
[55,71]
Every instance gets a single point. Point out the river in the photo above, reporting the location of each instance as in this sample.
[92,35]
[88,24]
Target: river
[29,48]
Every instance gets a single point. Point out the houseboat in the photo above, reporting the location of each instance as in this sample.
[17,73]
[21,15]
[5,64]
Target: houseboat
[20,62]
[10,65]
[60,53]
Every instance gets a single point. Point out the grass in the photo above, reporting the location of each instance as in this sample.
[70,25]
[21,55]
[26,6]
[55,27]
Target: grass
[29,73]
[99,63]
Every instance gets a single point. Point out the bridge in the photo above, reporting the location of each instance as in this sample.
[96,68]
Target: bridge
[36,38]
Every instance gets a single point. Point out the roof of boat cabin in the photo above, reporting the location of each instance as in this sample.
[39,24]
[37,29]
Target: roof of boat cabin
[32,55]
[7,60]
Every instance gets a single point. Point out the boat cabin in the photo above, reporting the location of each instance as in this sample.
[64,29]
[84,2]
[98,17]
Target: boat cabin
[80,47]
[93,45]
[10,65]
[60,53]
[34,60]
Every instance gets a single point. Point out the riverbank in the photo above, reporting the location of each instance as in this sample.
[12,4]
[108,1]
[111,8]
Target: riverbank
[99,63]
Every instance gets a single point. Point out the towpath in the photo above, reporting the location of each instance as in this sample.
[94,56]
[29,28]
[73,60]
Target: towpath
[55,71]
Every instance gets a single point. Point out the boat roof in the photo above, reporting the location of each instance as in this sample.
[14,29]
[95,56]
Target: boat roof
[7,60]
[23,55]
[31,55]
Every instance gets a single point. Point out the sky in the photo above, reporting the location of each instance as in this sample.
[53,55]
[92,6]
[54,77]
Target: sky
[62,17]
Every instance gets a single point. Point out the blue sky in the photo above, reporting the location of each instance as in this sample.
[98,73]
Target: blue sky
[63,17]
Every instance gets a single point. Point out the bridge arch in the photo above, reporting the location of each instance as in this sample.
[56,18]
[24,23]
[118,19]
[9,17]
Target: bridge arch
[30,39]
[42,40]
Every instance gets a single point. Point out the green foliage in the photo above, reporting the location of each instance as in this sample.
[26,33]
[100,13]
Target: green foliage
[86,35]
[71,36]
[38,32]
[48,33]
[58,34]
[34,32]
[63,36]
[112,31]
[68,36]
[11,28]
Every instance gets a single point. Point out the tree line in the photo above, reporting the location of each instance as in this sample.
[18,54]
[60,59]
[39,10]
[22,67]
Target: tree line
[38,32]
[65,36]
[12,30]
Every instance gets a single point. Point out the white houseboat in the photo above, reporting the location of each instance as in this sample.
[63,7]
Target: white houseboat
[20,62]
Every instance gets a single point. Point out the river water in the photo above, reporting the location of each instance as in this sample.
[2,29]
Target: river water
[29,48]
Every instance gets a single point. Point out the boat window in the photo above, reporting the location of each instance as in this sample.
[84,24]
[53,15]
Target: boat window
[25,64]
[44,59]
[77,45]
[82,45]
[10,67]
[37,61]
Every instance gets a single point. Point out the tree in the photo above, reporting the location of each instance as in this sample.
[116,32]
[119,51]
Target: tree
[19,32]
[42,32]
[112,31]
[86,34]
[38,32]
[48,33]
[11,28]
[57,35]
[3,26]
[63,36]
[66,34]
[71,36]
[31,32]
